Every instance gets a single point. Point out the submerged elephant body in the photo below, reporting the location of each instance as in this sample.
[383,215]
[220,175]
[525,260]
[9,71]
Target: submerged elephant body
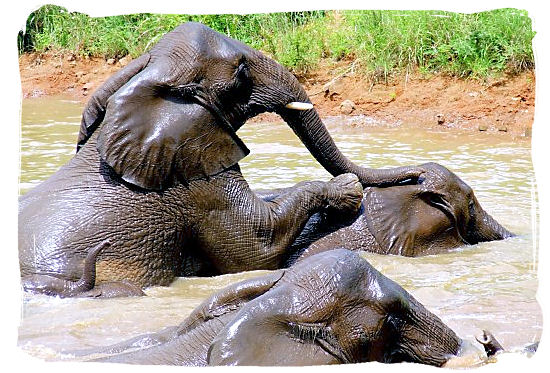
[156,236]
[436,215]
[332,308]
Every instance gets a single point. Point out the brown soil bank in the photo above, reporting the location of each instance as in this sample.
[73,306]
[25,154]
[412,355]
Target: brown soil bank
[505,104]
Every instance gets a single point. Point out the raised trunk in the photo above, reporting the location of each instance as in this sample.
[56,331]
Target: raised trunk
[312,132]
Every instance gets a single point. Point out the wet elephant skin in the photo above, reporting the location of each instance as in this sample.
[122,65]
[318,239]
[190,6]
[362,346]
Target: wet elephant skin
[156,171]
[438,214]
[331,308]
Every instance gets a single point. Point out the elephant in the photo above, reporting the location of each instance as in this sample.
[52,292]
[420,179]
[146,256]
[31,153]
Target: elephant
[156,170]
[436,215]
[85,286]
[331,308]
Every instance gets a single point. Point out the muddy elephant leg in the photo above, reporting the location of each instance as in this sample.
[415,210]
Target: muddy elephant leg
[270,194]
[245,232]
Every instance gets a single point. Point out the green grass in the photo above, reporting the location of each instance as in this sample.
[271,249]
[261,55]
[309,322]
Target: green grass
[382,43]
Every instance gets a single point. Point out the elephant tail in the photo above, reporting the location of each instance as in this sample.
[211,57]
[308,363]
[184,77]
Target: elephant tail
[87,281]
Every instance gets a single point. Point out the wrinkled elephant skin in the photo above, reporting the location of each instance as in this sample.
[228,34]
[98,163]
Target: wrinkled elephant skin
[439,214]
[156,171]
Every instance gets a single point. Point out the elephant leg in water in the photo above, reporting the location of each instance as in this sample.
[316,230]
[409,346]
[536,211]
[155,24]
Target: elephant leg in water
[332,308]
[242,232]
[439,214]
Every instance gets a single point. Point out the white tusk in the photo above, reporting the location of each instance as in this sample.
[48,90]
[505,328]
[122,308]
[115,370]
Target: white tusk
[299,105]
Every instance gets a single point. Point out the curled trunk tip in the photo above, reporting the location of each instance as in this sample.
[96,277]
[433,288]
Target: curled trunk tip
[490,343]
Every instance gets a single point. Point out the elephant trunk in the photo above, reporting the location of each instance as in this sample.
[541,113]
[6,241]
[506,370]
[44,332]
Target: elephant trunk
[429,340]
[312,132]
[488,229]
[275,88]
[490,344]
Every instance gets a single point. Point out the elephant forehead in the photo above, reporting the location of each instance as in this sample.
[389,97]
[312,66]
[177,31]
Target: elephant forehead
[341,273]
[438,176]
[327,263]
[203,41]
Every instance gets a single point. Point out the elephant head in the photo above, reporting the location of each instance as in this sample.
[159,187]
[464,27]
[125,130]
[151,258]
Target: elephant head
[173,113]
[332,308]
[439,213]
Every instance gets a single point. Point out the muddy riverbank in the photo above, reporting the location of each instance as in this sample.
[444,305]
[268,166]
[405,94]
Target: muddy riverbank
[504,105]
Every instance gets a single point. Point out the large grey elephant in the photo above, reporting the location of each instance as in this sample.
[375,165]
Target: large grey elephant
[436,215]
[332,308]
[156,171]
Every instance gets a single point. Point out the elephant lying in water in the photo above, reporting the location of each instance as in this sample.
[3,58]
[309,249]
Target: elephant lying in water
[445,215]
[156,170]
[331,308]
[440,213]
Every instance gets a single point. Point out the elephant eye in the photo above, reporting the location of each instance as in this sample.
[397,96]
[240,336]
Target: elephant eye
[307,332]
[241,87]
[242,72]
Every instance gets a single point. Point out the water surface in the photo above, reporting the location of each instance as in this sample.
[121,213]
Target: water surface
[487,286]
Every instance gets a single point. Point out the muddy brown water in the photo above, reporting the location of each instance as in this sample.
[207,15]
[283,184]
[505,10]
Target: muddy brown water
[491,285]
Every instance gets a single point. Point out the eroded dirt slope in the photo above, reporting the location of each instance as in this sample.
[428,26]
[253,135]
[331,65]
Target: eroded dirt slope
[498,105]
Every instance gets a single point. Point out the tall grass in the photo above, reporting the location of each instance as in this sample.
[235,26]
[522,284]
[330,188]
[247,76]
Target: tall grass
[381,42]
[460,44]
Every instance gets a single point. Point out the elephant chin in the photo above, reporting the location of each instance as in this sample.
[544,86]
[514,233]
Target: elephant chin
[469,356]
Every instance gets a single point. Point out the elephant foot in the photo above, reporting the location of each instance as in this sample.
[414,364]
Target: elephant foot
[345,193]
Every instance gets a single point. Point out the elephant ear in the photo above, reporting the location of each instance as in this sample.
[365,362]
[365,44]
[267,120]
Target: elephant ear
[153,135]
[229,299]
[269,331]
[94,111]
[402,218]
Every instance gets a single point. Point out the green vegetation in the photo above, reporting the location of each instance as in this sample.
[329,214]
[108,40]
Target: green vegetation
[381,43]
